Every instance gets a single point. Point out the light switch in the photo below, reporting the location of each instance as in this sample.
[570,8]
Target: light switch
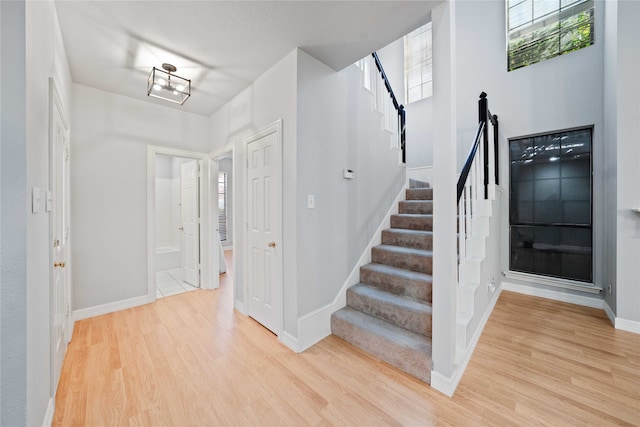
[35,199]
[49,202]
[311,201]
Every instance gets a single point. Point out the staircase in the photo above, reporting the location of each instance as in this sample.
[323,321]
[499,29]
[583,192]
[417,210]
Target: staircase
[388,314]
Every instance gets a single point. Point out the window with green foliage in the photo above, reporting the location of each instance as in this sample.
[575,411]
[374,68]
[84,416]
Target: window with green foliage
[541,29]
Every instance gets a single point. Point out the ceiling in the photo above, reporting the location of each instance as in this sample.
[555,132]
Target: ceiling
[222,46]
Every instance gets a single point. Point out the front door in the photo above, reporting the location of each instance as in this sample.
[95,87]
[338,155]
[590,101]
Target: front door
[264,219]
[59,205]
[190,223]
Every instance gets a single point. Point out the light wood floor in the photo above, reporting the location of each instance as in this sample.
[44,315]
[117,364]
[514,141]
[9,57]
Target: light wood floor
[190,360]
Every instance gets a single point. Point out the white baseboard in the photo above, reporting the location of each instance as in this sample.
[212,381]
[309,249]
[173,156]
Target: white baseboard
[554,295]
[98,310]
[315,326]
[610,314]
[627,325]
[239,306]
[48,416]
[289,340]
[448,385]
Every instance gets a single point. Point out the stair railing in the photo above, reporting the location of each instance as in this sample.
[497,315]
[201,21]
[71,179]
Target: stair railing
[476,174]
[399,126]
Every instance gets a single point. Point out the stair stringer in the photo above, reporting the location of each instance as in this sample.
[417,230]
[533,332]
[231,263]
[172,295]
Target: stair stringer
[477,272]
[315,326]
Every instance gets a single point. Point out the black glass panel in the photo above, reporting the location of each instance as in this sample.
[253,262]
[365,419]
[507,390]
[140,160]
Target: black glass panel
[550,205]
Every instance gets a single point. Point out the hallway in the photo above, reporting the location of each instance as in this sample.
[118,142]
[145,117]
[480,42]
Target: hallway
[192,360]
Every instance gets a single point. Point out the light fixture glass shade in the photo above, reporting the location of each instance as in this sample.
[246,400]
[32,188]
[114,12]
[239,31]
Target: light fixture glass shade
[164,85]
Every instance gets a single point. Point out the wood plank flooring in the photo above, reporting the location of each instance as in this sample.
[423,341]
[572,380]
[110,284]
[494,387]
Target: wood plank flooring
[190,360]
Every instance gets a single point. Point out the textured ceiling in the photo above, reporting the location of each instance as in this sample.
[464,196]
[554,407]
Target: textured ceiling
[221,45]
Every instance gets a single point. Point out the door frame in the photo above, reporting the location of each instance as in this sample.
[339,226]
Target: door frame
[275,127]
[208,262]
[56,103]
[214,155]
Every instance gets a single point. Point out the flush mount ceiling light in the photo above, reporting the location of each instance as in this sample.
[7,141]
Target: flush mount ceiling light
[164,85]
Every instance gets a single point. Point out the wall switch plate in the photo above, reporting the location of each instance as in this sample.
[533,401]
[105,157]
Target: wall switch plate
[311,201]
[348,174]
[35,199]
[49,202]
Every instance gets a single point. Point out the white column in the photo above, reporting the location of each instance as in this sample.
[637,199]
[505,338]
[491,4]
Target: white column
[444,187]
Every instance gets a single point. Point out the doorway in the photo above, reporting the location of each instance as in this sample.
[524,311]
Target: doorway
[263,257]
[57,202]
[177,231]
[180,254]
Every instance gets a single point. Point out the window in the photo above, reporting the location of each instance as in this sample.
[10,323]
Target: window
[550,205]
[222,205]
[418,64]
[541,29]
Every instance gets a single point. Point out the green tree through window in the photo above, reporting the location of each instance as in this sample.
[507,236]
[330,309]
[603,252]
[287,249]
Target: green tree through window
[542,29]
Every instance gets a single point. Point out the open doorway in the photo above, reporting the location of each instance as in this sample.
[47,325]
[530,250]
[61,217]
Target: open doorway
[177,231]
[181,256]
[224,214]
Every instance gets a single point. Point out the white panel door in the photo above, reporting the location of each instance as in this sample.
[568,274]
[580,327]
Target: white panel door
[264,219]
[59,205]
[190,224]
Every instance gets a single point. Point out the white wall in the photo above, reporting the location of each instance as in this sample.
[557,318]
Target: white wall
[164,202]
[559,93]
[271,97]
[622,127]
[13,228]
[338,129]
[109,188]
[46,57]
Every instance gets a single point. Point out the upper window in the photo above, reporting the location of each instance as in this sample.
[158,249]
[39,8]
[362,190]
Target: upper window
[541,29]
[418,64]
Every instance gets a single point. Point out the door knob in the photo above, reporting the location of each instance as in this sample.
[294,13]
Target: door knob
[180,228]
[59,264]
[272,244]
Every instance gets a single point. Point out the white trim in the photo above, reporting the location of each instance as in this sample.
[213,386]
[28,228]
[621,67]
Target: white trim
[610,314]
[554,295]
[239,305]
[448,385]
[621,324]
[552,281]
[236,168]
[98,310]
[315,326]
[48,416]
[628,325]
[421,173]
[205,219]
[275,127]
[289,340]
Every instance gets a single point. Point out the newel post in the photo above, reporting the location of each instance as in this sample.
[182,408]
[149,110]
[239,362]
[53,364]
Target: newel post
[482,118]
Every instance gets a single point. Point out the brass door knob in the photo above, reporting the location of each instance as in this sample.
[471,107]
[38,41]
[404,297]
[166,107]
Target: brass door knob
[59,264]
[272,244]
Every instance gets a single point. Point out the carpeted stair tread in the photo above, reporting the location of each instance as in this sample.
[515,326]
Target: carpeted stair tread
[419,193]
[417,239]
[406,350]
[414,183]
[422,222]
[397,256]
[396,309]
[415,207]
[398,280]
